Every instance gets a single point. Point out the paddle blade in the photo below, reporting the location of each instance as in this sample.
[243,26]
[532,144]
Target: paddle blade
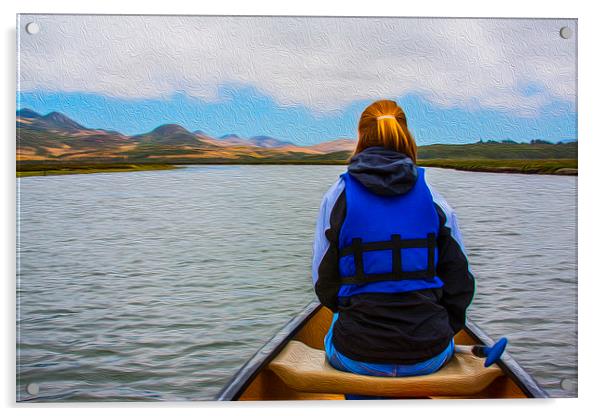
[495,352]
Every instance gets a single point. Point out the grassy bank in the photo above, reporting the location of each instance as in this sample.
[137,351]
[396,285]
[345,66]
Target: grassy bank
[30,169]
[532,166]
[529,166]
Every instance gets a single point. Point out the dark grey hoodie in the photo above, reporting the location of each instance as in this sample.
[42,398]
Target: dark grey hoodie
[383,171]
[401,328]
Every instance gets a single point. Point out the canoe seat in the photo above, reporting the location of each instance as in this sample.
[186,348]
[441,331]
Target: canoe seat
[306,369]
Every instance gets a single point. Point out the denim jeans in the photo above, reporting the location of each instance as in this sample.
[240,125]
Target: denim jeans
[343,363]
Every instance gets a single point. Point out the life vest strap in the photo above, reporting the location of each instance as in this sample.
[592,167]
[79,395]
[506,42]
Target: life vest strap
[396,244]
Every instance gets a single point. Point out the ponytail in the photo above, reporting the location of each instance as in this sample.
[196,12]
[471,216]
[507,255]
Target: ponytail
[384,124]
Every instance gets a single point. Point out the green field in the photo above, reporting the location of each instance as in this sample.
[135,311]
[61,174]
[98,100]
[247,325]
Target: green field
[533,166]
[30,169]
[499,150]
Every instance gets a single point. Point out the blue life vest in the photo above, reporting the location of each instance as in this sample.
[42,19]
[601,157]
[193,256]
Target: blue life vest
[388,244]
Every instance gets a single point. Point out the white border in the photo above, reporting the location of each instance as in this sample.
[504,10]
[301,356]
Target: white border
[590,138]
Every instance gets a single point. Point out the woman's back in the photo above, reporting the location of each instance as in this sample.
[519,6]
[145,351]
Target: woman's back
[385,317]
[387,258]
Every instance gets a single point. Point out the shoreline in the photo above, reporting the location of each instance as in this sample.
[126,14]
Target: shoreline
[91,168]
[561,167]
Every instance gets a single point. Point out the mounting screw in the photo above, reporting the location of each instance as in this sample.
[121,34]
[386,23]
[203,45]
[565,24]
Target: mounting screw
[32,28]
[566,32]
[33,388]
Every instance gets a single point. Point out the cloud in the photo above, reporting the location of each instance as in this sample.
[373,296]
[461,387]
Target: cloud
[321,63]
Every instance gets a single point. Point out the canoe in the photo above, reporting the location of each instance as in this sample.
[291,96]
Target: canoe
[292,366]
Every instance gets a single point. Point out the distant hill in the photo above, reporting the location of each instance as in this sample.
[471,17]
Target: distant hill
[54,137]
[171,135]
[339,145]
[232,140]
[51,121]
[27,113]
[258,141]
[60,121]
[266,141]
[497,150]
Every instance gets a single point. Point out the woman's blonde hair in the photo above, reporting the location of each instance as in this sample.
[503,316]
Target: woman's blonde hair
[383,123]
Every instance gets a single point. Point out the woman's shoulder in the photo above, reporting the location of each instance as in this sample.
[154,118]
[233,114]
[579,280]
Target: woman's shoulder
[332,195]
[335,189]
[440,201]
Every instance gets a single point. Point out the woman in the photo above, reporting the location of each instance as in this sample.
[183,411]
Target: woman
[388,258]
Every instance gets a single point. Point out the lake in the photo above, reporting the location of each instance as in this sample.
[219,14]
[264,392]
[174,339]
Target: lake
[159,285]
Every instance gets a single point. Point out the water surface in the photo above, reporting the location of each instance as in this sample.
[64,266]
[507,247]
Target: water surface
[159,285]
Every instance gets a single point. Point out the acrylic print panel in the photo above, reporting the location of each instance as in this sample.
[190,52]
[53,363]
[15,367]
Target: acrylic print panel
[171,172]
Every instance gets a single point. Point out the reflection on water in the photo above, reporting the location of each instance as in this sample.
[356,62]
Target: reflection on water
[160,285]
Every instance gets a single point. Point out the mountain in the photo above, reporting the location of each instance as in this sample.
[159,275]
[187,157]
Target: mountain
[232,140]
[169,135]
[338,145]
[230,137]
[61,122]
[51,121]
[55,137]
[27,113]
[170,130]
[267,141]
[258,141]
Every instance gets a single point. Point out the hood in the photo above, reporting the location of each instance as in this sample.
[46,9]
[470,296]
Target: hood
[383,171]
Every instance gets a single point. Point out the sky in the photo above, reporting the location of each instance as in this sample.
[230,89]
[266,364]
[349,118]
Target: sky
[303,79]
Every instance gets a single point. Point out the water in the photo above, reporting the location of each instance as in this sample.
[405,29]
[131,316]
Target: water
[159,285]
